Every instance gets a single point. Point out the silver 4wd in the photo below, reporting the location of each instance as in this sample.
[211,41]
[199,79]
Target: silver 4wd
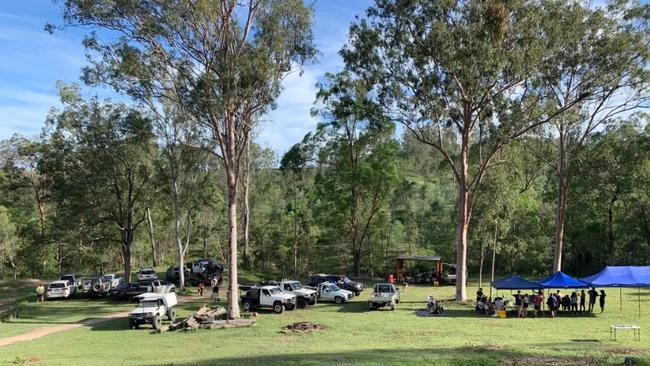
[304,295]
[268,296]
[95,286]
[383,294]
[330,292]
[151,308]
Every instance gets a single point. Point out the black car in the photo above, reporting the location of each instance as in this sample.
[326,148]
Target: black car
[173,274]
[340,280]
[126,291]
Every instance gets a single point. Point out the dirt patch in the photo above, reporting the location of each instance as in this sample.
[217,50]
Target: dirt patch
[486,347]
[26,361]
[302,327]
[551,360]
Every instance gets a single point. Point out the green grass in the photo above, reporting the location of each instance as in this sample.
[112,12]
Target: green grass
[354,335]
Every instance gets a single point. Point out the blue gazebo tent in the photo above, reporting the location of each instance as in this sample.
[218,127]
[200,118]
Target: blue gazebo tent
[621,276]
[561,280]
[515,282]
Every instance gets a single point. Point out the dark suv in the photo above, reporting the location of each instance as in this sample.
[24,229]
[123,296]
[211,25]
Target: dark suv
[340,280]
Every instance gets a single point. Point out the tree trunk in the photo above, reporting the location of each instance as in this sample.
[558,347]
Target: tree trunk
[246,213]
[233,286]
[126,253]
[154,259]
[559,223]
[356,262]
[480,266]
[177,236]
[610,229]
[463,224]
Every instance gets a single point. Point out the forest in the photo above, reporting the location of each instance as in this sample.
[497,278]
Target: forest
[460,129]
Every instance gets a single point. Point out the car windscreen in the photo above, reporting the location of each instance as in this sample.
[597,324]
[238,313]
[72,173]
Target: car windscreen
[148,303]
[383,289]
[296,286]
[346,280]
[147,271]
[334,288]
[67,278]
[57,285]
[275,290]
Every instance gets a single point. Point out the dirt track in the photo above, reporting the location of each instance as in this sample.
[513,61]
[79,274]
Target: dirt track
[42,332]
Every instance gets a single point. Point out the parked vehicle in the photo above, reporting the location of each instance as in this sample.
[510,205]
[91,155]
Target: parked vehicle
[326,291]
[207,266]
[173,273]
[112,279]
[95,286]
[60,290]
[126,291]
[304,295]
[449,273]
[268,296]
[383,294]
[73,279]
[156,286]
[341,281]
[146,273]
[151,308]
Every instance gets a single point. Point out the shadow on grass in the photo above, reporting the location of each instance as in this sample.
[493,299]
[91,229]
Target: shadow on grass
[468,355]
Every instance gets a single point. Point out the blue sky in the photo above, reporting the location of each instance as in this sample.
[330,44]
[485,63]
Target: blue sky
[32,61]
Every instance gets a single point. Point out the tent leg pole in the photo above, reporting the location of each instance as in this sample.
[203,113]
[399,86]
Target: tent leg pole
[620,289]
[639,294]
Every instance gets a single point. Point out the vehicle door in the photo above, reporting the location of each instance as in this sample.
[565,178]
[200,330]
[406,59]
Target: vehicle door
[327,293]
[265,298]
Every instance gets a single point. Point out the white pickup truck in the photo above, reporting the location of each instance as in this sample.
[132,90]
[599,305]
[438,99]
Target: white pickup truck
[268,296]
[304,295]
[383,294]
[112,279]
[151,308]
[327,291]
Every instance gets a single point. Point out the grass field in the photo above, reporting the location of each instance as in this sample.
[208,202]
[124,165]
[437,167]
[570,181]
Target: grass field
[353,335]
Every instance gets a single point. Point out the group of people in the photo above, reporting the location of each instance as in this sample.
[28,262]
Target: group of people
[572,304]
[214,283]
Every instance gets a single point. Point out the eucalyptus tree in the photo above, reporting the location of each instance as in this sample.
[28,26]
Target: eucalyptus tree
[358,157]
[102,165]
[473,70]
[221,62]
[605,54]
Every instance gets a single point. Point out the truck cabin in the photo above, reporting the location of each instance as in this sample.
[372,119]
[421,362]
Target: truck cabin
[292,286]
[383,288]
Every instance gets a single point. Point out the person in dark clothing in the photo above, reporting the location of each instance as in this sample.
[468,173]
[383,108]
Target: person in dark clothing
[552,304]
[602,301]
[574,303]
[592,298]
[582,300]
[479,294]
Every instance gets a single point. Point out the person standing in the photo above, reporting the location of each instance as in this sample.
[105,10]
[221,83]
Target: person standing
[592,298]
[40,293]
[524,306]
[602,301]
[215,288]
[552,303]
[519,303]
[582,300]
[201,286]
[574,303]
[539,299]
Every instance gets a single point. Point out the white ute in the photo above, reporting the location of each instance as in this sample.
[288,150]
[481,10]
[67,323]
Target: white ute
[330,292]
[304,295]
[268,296]
[151,308]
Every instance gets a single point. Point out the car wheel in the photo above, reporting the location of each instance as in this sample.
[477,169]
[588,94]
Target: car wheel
[312,302]
[246,305]
[171,315]
[397,301]
[156,322]
[338,300]
[302,303]
[278,308]
[290,307]
[357,293]
[392,306]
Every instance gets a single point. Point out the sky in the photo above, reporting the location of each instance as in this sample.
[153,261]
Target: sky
[32,61]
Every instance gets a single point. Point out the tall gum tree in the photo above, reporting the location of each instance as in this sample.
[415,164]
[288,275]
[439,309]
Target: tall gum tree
[221,62]
[469,70]
[605,54]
